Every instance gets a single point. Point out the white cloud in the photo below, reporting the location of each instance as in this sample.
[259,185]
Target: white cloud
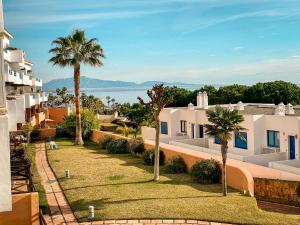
[238,48]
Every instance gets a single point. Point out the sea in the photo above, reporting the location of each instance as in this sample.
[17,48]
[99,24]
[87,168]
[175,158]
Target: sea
[127,95]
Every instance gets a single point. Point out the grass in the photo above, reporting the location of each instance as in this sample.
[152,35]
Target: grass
[121,187]
[30,154]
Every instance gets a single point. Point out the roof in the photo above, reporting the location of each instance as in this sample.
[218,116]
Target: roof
[250,109]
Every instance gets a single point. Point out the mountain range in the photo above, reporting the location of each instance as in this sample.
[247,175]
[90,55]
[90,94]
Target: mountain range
[87,82]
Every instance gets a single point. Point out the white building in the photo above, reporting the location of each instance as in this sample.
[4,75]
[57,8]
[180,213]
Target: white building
[272,131]
[21,100]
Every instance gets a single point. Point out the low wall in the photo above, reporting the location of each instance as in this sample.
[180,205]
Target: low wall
[148,132]
[277,191]
[264,159]
[25,210]
[206,150]
[292,166]
[58,114]
[238,178]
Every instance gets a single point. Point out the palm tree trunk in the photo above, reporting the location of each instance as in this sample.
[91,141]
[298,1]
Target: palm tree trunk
[224,148]
[156,153]
[78,139]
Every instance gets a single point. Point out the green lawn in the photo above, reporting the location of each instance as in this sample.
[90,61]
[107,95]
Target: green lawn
[121,187]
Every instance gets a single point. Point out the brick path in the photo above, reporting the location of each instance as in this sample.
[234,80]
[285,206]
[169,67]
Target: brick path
[153,222]
[61,213]
[280,208]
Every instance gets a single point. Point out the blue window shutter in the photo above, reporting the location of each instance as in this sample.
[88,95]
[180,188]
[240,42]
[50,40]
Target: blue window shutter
[239,142]
[217,140]
[164,128]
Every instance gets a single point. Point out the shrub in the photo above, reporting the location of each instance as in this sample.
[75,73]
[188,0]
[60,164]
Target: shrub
[88,123]
[137,146]
[206,171]
[149,157]
[62,133]
[104,141]
[35,135]
[176,165]
[119,146]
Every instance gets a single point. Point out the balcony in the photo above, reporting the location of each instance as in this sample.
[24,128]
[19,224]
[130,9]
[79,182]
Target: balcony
[27,80]
[11,76]
[37,82]
[44,97]
[38,98]
[19,78]
[29,100]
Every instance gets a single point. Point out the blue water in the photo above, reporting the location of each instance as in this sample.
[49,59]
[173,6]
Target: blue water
[123,95]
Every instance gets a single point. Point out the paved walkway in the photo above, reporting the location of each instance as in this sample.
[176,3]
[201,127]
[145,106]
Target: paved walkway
[280,208]
[61,213]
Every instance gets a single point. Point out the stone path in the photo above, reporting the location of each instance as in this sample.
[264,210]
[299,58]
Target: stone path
[61,213]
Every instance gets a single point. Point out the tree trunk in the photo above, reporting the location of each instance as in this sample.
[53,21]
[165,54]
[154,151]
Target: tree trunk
[78,139]
[156,154]
[224,149]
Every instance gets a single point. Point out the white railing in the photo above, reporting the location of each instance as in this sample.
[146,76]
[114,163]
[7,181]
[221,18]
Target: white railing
[29,100]
[37,82]
[27,80]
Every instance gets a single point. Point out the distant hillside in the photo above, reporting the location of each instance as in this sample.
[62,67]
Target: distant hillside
[86,82]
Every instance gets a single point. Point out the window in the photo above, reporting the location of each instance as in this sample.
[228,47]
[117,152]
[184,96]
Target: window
[164,128]
[240,142]
[201,131]
[217,140]
[273,138]
[183,126]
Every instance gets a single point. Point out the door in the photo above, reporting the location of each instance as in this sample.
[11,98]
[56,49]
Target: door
[292,147]
[201,131]
[193,130]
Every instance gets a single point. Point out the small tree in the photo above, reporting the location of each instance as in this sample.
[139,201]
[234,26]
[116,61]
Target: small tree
[158,100]
[223,122]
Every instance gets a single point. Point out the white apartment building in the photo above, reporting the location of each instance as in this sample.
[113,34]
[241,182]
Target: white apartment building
[25,98]
[271,135]
[21,100]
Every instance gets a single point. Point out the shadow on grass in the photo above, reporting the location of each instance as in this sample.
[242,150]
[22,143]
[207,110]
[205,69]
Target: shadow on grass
[129,160]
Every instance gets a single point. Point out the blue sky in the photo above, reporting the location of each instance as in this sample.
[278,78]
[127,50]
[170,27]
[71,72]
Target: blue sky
[195,41]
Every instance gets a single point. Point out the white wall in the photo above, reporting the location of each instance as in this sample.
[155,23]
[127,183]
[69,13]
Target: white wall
[292,166]
[20,108]
[12,115]
[264,159]
[5,183]
[287,126]
[148,132]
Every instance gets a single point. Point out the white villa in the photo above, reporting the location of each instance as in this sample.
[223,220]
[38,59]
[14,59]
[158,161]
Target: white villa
[271,138]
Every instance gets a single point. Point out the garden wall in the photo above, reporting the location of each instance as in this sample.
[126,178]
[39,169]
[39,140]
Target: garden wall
[25,210]
[58,114]
[238,178]
[47,132]
[277,191]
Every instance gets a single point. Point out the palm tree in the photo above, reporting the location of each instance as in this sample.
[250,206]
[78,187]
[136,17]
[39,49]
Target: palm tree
[73,51]
[108,100]
[158,100]
[224,122]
